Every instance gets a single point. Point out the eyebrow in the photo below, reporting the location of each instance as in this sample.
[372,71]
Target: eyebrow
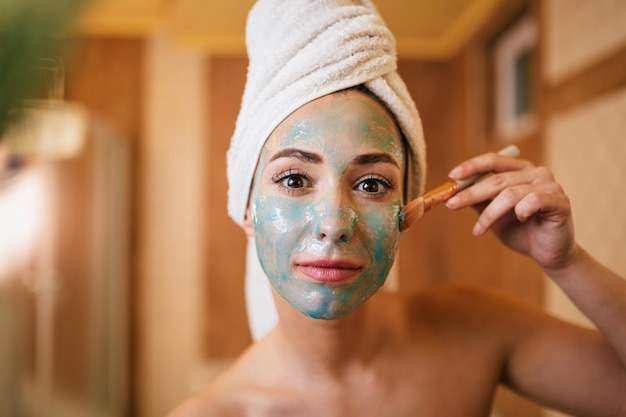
[365,159]
[372,158]
[298,154]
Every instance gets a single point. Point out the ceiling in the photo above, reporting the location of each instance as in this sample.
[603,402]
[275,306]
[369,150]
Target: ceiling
[425,29]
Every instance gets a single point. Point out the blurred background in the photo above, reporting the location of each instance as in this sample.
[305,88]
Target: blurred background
[121,276]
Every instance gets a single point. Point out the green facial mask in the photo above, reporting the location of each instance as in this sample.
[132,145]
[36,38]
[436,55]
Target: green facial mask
[328,222]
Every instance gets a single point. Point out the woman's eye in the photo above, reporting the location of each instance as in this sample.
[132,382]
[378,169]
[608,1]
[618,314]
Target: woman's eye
[370,186]
[376,185]
[293,181]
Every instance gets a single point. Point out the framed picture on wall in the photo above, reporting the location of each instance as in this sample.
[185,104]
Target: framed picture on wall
[514,81]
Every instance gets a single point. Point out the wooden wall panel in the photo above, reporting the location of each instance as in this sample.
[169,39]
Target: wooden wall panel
[440,249]
[604,76]
[74,317]
[226,323]
[106,76]
[424,249]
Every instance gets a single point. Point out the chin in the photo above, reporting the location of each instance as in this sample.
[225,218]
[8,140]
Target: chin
[323,306]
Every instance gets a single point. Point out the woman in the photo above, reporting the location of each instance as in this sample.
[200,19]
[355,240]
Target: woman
[331,165]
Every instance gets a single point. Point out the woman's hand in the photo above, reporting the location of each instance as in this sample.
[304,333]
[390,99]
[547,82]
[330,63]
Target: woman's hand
[522,204]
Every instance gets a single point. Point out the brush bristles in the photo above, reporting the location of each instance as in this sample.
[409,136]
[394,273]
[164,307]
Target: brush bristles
[411,213]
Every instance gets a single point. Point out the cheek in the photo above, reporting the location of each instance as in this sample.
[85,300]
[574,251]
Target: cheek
[278,224]
[382,230]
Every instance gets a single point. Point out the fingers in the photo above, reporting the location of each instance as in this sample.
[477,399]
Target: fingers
[491,186]
[516,188]
[488,162]
[524,201]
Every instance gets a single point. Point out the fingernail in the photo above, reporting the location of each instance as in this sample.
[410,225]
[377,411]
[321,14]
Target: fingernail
[452,202]
[454,173]
[477,230]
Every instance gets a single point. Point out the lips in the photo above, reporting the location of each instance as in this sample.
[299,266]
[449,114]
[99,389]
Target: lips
[328,270]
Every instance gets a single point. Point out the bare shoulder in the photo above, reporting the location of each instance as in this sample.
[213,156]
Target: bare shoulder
[469,312]
[465,300]
[238,400]
[244,387]
[452,303]
[223,397]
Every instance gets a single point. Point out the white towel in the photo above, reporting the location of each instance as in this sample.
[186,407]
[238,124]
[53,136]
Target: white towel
[260,307]
[300,50]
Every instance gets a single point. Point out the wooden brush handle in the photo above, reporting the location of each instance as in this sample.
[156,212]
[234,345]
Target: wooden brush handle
[511,150]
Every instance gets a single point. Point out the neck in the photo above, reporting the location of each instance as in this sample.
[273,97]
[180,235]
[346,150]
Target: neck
[329,345]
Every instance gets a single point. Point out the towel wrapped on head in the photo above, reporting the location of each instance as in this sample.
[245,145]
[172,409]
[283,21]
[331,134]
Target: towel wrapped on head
[301,50]
[298,51]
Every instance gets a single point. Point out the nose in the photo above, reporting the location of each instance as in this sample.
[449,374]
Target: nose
[336,225]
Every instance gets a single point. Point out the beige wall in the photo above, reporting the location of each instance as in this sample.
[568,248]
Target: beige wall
[586,149]
[585,144]
[579,33]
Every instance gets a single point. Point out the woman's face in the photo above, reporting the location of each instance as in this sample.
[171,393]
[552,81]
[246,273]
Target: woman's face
[326,201]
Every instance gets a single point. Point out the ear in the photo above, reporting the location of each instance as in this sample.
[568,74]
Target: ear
[248,227]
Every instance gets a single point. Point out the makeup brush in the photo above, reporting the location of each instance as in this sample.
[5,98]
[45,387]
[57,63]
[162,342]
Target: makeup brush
[414,210]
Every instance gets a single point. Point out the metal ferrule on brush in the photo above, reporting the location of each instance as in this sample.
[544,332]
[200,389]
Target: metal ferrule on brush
[438,195]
